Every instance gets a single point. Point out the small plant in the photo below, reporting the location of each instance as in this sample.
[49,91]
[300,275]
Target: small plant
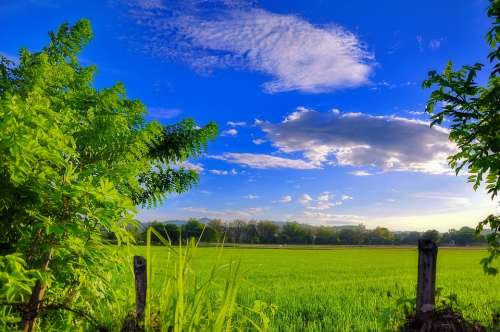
[393,315]
[447,315]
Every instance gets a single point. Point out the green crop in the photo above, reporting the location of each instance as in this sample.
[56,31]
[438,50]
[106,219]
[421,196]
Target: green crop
[343,289]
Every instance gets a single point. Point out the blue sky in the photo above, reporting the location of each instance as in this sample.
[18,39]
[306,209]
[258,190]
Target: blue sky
[319,103]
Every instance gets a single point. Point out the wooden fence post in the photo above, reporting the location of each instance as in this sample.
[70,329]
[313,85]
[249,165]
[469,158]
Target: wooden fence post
[140,287]
[426,282]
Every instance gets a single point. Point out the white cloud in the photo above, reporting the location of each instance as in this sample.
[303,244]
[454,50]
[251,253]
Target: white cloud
[264,161]
[296,54]
[218,172]
[442,221]
[163,113]
[202,212]
[305,199]
[286,199]
[255,209]
[229,132]
[321,218]
[434,44]
[420,41]
[448,200]
[236,124]
[416,112]
[192,166]
[224,214]
[234,171]
[258,141]
[323,205]
[346,197]
[251,196]
[361,173]
[388,143]
[326,196]
[205,192]
[324,201]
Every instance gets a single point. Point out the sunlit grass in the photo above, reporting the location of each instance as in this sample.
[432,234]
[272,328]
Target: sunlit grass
[344,289]
[185,297]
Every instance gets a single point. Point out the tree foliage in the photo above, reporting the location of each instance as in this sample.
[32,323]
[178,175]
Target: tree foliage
[474,112]
[269,232]
[74,161]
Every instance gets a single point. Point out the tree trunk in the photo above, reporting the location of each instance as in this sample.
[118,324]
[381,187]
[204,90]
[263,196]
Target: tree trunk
[31,311]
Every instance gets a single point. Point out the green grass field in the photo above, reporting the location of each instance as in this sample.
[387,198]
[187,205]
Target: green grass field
[345,289]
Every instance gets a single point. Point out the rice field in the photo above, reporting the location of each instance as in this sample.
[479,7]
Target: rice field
[343,288]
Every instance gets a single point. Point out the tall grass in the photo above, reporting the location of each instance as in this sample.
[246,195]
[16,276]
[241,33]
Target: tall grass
[181,299]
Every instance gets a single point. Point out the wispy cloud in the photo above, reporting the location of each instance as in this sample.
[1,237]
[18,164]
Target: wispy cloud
[197,167]
[324,201]
[229,132]
[388,143]
[324,197]
[321,217]
[201,212]
[163,112]
[449,200]
[420,42]
[416,113]
[305,199]
[296,54]
[232,171]
[218,172]
[286,199]
[236,124]
[258,141]
[264,161]
[361,173]
[346,197]
[224,214]
[434,44]
[251,196]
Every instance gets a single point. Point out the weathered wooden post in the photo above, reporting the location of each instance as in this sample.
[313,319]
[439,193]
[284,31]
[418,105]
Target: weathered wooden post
[134,322]
[426,280]
[140,287]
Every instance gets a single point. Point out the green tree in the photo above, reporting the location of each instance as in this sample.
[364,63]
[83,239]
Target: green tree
[173,232]
[352,234]
[236,231]
[251,233]
[411,238]
[166,230]
[325,235]
[293,232]
[268,231]
[432,235]
[74,161]
[215,231]
[474,112]
[192,229]
[380,235]
[465,236]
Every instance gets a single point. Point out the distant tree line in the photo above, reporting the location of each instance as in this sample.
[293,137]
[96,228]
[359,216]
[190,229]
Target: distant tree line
[269,232]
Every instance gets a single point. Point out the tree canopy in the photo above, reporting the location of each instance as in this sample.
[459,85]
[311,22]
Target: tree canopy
[74,161]
[474,112]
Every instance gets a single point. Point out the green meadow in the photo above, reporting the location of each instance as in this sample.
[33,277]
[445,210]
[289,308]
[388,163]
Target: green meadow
[342,288]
